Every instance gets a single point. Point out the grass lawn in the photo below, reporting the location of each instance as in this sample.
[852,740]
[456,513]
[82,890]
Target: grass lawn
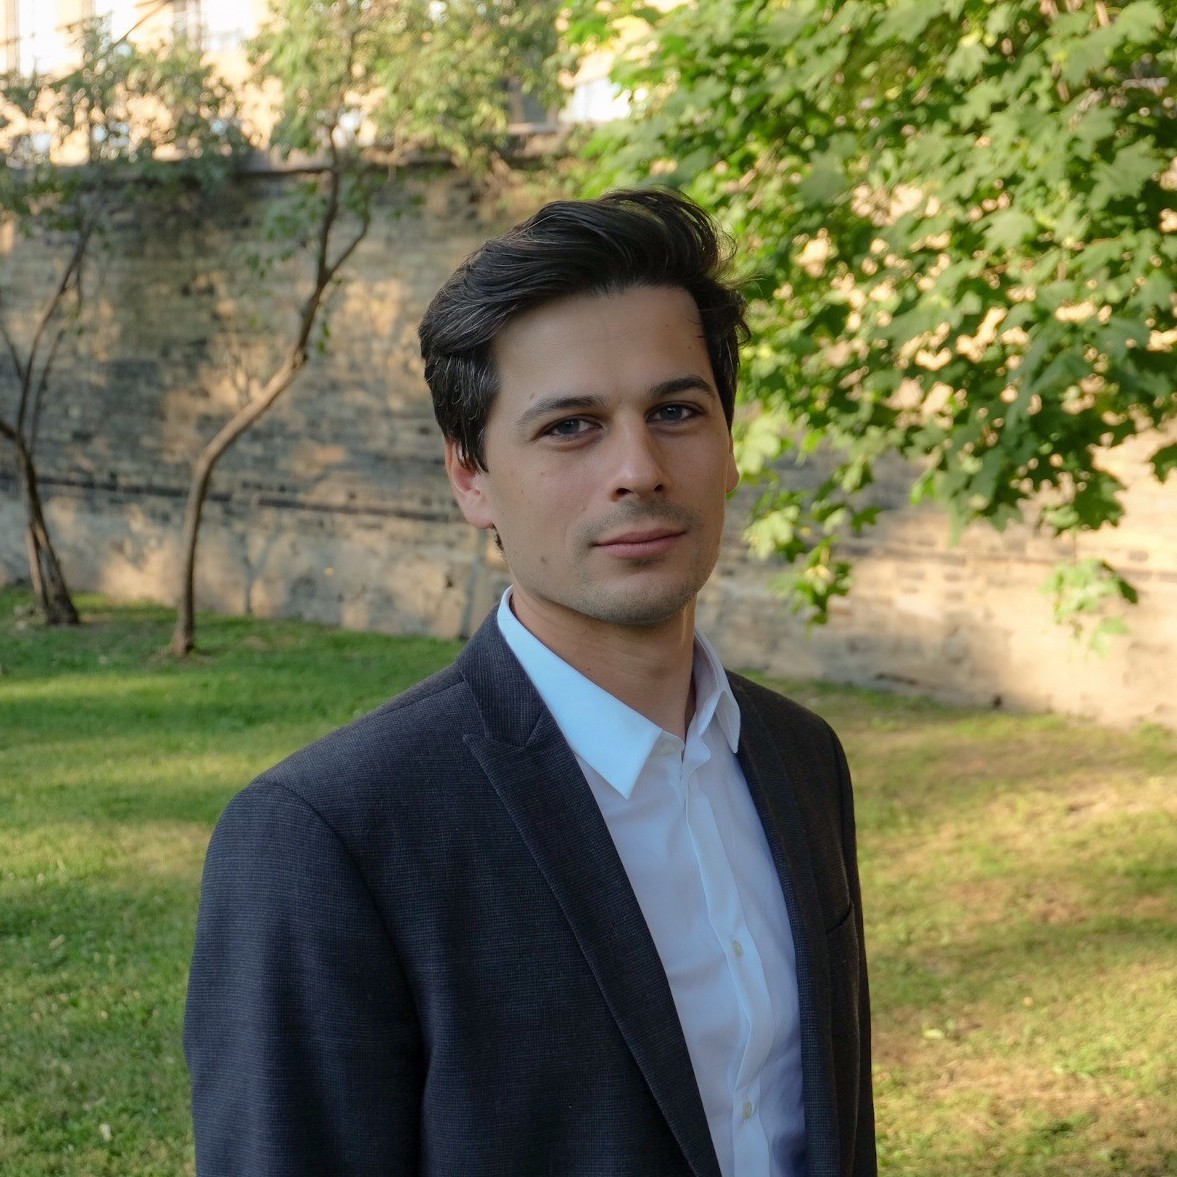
[1020,877]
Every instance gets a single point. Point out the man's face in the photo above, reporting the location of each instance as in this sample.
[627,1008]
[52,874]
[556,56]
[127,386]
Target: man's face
[608,460]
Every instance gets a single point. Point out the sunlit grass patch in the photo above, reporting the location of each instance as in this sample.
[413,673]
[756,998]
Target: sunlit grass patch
[1020,879]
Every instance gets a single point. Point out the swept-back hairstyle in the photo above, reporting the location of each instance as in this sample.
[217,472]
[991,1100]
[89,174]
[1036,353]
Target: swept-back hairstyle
[647,237]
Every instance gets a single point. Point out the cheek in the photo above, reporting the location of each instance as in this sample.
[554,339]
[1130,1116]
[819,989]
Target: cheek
[533,511]
[545,499]
[561,490]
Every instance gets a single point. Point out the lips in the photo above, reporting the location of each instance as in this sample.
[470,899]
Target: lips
[641,544]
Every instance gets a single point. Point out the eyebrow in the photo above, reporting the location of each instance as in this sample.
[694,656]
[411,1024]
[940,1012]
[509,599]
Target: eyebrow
[548,405]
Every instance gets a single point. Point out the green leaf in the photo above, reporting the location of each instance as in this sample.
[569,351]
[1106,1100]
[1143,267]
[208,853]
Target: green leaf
[1093,128]
[1164,461]
[1125,175]
[967,61]
[1082,591]
[979,102]
[1091,53]
[1008,228]
[905,20]
[1122,336]
[825,182]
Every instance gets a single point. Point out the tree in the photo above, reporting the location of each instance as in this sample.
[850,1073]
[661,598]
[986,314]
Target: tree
[126,125]
[364,86]
[960,221]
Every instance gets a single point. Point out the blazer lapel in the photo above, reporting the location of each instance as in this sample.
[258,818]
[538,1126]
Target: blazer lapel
[542,788]
[773,782]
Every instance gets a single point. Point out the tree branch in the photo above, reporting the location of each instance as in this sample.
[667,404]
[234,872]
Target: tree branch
[13,352]
[53,304]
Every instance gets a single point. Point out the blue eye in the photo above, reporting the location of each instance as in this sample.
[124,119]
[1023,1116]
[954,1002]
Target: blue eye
[569,427]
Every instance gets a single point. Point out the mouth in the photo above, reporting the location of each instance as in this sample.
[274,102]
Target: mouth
[636,545]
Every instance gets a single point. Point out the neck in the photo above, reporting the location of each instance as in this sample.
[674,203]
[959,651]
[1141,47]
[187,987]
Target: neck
[647,667]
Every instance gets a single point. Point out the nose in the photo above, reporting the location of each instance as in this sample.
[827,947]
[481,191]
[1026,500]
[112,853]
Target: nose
[638,468]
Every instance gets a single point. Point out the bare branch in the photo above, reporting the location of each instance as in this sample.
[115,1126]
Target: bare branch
[42,383]
[13,351]
[68,279]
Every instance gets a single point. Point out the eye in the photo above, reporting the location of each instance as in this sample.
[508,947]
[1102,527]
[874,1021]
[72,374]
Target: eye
[673,413]
[567,427]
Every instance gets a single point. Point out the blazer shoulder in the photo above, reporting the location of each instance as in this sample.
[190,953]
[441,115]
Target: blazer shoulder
[413,752]
[413,740]
[429,707]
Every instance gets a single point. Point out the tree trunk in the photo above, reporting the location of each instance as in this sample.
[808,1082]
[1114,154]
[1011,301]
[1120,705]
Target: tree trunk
[184,635]
[49,587]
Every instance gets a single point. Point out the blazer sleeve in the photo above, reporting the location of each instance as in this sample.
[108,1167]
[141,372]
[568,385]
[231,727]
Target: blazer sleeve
[300,1033]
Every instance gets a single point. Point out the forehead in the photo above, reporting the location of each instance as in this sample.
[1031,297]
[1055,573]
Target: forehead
[643,333]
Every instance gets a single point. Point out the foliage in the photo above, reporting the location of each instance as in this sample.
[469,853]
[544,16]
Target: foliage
[1007,861]
[77,149]
[409,75]
[1080,590]
[125,119]
[960,218]
[361,86]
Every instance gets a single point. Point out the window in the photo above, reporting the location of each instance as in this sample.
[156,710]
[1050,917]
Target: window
[186,23]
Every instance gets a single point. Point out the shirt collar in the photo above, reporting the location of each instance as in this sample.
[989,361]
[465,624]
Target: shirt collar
[610,737]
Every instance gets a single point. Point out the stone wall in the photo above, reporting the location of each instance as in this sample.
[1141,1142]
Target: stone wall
[970,622]
[336,507]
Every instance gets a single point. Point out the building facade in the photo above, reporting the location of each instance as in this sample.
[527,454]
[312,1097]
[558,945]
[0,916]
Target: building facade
[39,36]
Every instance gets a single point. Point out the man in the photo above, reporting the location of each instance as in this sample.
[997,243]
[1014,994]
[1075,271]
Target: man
[581,903]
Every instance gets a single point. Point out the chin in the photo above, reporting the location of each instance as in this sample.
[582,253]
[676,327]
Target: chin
[640,608]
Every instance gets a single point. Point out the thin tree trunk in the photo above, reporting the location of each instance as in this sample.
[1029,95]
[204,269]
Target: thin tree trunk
[184,635]
[49,587]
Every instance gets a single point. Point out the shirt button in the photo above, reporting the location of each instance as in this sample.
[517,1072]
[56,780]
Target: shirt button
[737,948]
[747,1109]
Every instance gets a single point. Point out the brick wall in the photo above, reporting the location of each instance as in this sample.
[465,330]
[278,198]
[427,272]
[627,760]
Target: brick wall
[336,507]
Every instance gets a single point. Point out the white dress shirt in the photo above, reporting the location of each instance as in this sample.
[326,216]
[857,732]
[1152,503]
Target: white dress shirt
[689,837]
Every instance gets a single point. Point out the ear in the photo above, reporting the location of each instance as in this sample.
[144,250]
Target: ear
[733,471]
[469,485]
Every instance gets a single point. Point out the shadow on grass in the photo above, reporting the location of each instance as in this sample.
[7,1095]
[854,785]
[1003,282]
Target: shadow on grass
[55,703]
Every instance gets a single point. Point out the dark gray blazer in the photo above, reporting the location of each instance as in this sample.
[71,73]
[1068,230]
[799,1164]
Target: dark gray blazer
[418,953]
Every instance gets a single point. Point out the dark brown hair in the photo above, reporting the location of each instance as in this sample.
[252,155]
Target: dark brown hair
[646,237]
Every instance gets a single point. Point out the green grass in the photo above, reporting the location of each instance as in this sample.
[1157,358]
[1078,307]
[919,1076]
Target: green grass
[1020,877]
